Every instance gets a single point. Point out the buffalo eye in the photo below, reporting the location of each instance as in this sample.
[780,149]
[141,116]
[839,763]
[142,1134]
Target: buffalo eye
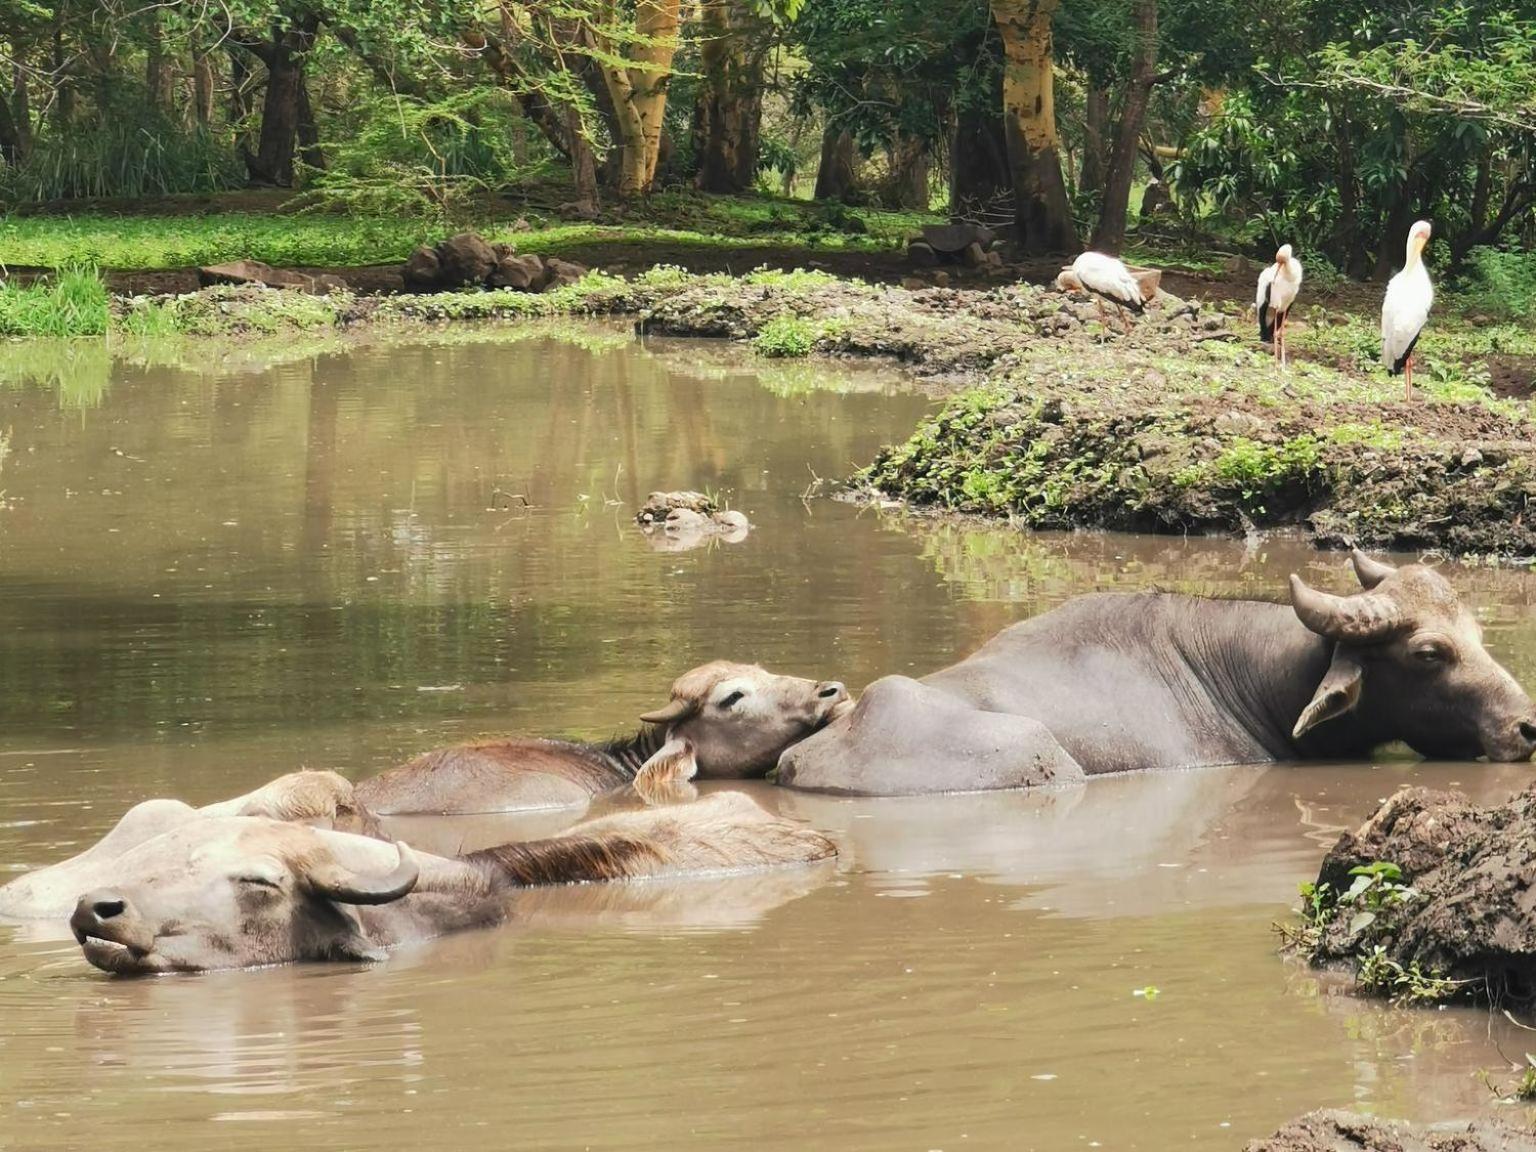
[1431,653]
[261,883]
[731,700]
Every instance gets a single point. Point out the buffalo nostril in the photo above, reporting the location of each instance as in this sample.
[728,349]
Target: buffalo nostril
[106,909]
[829,690]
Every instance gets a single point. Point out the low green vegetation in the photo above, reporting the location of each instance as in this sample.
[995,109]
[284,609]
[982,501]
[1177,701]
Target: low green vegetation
[73,303]
[1377,892]
[672,221]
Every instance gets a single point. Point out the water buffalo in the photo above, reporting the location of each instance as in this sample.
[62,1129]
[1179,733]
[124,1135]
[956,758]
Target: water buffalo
[738,718]
[320,798]
[1114,683]
[242,891]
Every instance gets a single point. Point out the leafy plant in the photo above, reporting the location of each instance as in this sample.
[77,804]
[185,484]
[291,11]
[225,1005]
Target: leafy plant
[73,303]
[785,335]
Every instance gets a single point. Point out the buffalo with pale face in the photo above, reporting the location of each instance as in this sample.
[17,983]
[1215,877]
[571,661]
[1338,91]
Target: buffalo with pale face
[736,719]
[240,891]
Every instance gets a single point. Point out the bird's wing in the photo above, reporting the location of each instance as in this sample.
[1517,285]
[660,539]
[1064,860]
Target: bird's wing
[1266,282]
[1126,287]
[1404,313]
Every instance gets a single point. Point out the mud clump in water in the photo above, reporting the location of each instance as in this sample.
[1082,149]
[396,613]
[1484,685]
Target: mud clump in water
[1334,1131]
[1431,899]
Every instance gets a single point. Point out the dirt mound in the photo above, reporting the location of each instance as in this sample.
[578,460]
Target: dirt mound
[1334,1131]
[1432,898]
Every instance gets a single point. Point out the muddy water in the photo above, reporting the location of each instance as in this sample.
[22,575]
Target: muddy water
[216,572]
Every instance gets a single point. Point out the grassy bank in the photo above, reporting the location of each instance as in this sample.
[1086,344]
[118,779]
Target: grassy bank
[175,239]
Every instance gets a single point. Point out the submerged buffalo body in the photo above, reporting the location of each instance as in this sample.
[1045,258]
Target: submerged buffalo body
[1114,683]
[736,719]
[241,891]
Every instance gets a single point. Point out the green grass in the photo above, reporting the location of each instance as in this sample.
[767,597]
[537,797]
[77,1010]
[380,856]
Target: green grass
[74,303]
[674,220]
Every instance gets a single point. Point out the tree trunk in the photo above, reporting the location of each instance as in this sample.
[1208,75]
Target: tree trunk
[203,84]
[835,176]
[308,131]
[10,136]
[908,183]
[158,79]
[21,102]
[979,176]
[1095,124]
[1109,237]
[639,93]
[1043,215]
[729,112]
[583,163]
[283,53]
[64,93]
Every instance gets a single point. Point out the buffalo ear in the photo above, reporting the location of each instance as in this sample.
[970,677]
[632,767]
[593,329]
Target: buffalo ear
[1338,693]
[664,778]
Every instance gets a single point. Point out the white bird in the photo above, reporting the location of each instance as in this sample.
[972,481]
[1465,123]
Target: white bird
[1278,286]
[1108,279]
[1405,311]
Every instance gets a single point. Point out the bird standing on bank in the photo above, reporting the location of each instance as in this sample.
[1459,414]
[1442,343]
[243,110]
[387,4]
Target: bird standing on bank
[1278,286]
[1108,279]
[1405,311]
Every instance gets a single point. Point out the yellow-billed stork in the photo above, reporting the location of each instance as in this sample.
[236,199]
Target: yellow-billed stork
[1109,279]
[1278,286]
[1406,309]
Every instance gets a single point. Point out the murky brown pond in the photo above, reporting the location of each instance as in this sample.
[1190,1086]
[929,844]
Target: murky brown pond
[213,574]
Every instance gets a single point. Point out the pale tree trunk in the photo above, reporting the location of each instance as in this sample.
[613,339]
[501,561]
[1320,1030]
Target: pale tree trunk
[835,175]
[1044,217]
[1109,236]
[639,90]
[729,112]
[583,163]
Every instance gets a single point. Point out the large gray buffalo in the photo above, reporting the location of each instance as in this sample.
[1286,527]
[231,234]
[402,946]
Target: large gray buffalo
[736,718]
[242,891]
[1115,683]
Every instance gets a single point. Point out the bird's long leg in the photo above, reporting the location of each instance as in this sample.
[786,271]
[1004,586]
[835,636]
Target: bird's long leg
[1280,336]
[1408,375]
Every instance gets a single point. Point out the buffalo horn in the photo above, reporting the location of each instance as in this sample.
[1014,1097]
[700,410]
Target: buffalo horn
[1370,572]
[1368,618]
[335,883]
[674,711]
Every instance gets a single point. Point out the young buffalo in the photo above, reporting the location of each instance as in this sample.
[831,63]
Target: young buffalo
[241,891]
[737,718]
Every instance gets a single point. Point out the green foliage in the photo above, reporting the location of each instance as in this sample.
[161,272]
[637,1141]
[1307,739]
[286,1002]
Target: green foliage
[1499,284]
[785,336]
[1381,975]
[125,157]
[73,303]
[421,159]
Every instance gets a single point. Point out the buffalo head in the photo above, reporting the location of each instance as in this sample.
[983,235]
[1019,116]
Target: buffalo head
[739,717]
[236,892]
[1409,662]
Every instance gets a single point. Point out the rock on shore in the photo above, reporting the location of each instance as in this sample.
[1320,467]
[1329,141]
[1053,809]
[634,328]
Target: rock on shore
[1336,1131]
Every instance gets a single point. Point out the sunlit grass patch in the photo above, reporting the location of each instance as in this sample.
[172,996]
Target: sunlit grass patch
[73,303]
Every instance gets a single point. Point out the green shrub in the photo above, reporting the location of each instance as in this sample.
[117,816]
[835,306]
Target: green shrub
[1500,284]
[786,336]
[73,303]
[124,157]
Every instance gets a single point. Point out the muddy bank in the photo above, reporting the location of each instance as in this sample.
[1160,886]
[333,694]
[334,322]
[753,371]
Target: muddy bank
[1336,1131]
[1431,900]
[1057,419]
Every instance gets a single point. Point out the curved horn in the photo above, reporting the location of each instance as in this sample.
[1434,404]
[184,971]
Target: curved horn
[1370,572]
[1364,619]
[335,883]
[674,711]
